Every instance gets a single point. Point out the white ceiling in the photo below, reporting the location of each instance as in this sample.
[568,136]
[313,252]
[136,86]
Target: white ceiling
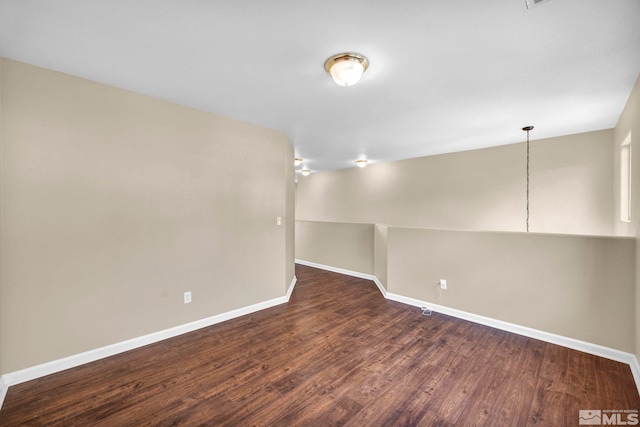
[444,75]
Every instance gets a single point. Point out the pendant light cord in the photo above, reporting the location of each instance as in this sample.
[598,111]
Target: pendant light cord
[527,181]
[527,129]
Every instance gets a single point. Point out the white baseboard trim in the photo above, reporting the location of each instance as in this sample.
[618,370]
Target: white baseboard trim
[291,286]
[33,372]
[52,367]
[635,370]
[381,288]
[345,272]
[4,387]
[586,347]
[335,269]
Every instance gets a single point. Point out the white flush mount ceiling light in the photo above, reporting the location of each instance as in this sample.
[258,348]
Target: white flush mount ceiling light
[346,68]
[306,172]
[297,161]
[361,163]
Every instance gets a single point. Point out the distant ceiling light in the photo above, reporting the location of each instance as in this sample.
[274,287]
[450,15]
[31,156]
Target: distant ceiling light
[297,161]
[306,172]
[346,68]
[361,163]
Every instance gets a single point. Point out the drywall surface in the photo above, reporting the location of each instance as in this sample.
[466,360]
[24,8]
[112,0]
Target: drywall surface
[570,189]
[580,287]
[348,246]
[1,236]
[629,127]
[114,204]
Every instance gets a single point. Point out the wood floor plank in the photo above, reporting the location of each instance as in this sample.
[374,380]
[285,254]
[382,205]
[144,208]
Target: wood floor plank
[337,354]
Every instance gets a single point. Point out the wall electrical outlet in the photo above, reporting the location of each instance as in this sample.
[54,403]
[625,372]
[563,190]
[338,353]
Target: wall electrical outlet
[278,220]
[443,284]
[187,297]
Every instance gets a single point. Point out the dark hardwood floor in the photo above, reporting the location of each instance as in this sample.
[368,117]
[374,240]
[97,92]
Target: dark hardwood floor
[337,354]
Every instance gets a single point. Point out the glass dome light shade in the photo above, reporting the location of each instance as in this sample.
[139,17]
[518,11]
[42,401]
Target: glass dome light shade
[347,73]
[346,69]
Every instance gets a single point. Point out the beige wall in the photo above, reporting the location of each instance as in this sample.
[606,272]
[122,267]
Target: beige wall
[580,287]
[571,181]
[577,286]
[348,246]
[630,122]
[114,204]
[1,234]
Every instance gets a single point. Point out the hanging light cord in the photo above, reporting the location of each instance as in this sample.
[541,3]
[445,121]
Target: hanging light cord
[527,129]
